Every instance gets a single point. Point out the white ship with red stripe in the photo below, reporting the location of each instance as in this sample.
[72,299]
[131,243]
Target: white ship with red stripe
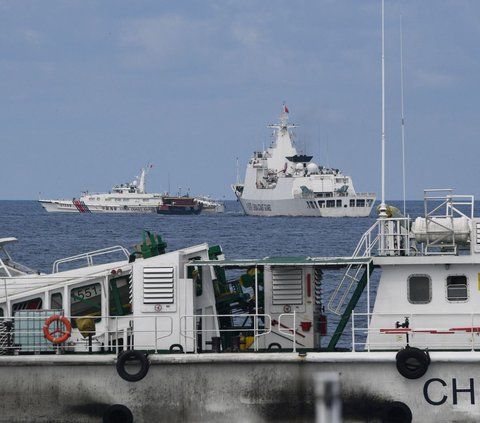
[123,198]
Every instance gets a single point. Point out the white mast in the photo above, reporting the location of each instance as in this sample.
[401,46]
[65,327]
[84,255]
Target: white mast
[238,174]
[403,116]
[141,179]
[382,204]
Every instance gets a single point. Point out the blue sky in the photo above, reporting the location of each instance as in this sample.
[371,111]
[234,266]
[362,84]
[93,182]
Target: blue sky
[90,91]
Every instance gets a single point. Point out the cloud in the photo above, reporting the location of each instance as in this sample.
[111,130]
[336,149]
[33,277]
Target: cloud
[424,78]
[246,36]
[165,41]
[33,37]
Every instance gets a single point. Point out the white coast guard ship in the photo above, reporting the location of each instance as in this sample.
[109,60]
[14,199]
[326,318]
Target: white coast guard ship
[141,336]
[282,182]
[123,198]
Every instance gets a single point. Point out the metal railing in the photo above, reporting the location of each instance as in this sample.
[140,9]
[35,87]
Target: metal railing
[193,334]
[396,330]
[24,333]
[90,255]
[441,208]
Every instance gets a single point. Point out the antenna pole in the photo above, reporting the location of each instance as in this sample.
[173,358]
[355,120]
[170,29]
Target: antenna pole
[238,174]
[403,116]
[383,207]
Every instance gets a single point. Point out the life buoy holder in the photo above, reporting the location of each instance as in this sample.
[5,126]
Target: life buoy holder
[57,335]
[132,355]
[412,363]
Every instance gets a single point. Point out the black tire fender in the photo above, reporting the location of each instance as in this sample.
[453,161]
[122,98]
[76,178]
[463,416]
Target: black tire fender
[274,346]
[398,412]
[117,413]
[412,363]
[132,355]
[176,348]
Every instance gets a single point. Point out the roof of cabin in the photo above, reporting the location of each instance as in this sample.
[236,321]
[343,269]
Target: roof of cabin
[333,262]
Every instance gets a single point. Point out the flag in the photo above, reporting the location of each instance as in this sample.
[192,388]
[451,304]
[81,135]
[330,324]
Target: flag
[285,108]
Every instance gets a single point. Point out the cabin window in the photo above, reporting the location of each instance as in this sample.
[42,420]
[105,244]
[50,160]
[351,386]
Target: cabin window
[352,203]
[120,296]
[1,312]
[419,289]
[32,304]
[321,204]
[86,300]
[457,288]
[360,203]
[330,203]
[339,203]
[56,302]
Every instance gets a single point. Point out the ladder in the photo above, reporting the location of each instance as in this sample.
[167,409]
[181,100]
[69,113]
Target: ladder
[353,274]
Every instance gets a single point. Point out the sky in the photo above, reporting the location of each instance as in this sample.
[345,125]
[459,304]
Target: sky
[92,91]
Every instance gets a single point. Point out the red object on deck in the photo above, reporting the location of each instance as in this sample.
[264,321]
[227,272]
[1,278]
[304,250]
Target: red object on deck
[322,325]
[305,326]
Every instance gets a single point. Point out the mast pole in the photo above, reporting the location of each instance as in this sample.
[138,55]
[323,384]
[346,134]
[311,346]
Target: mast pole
[403,116]
[382,204]
[238,174]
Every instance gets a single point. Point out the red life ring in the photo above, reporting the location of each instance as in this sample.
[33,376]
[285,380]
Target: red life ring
[51,335]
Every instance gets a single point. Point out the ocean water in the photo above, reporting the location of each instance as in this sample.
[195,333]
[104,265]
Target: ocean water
[45,237]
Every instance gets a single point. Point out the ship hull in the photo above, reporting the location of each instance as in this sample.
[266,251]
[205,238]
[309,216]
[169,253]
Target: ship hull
[76,206]
[220,208]
[270,387]
[302,207]
[54,206]
[179,210]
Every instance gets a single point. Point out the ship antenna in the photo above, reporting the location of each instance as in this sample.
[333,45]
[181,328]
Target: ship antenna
[383,207]
[328,152]
[403,115]
[238,174]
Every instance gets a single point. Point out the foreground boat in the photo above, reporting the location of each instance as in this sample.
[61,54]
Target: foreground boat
[123,198]
[282,182]
[217,340]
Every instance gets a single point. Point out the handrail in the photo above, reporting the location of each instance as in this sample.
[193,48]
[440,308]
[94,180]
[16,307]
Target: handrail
[437,335]
[90,255]
[363,249]
[264,331]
